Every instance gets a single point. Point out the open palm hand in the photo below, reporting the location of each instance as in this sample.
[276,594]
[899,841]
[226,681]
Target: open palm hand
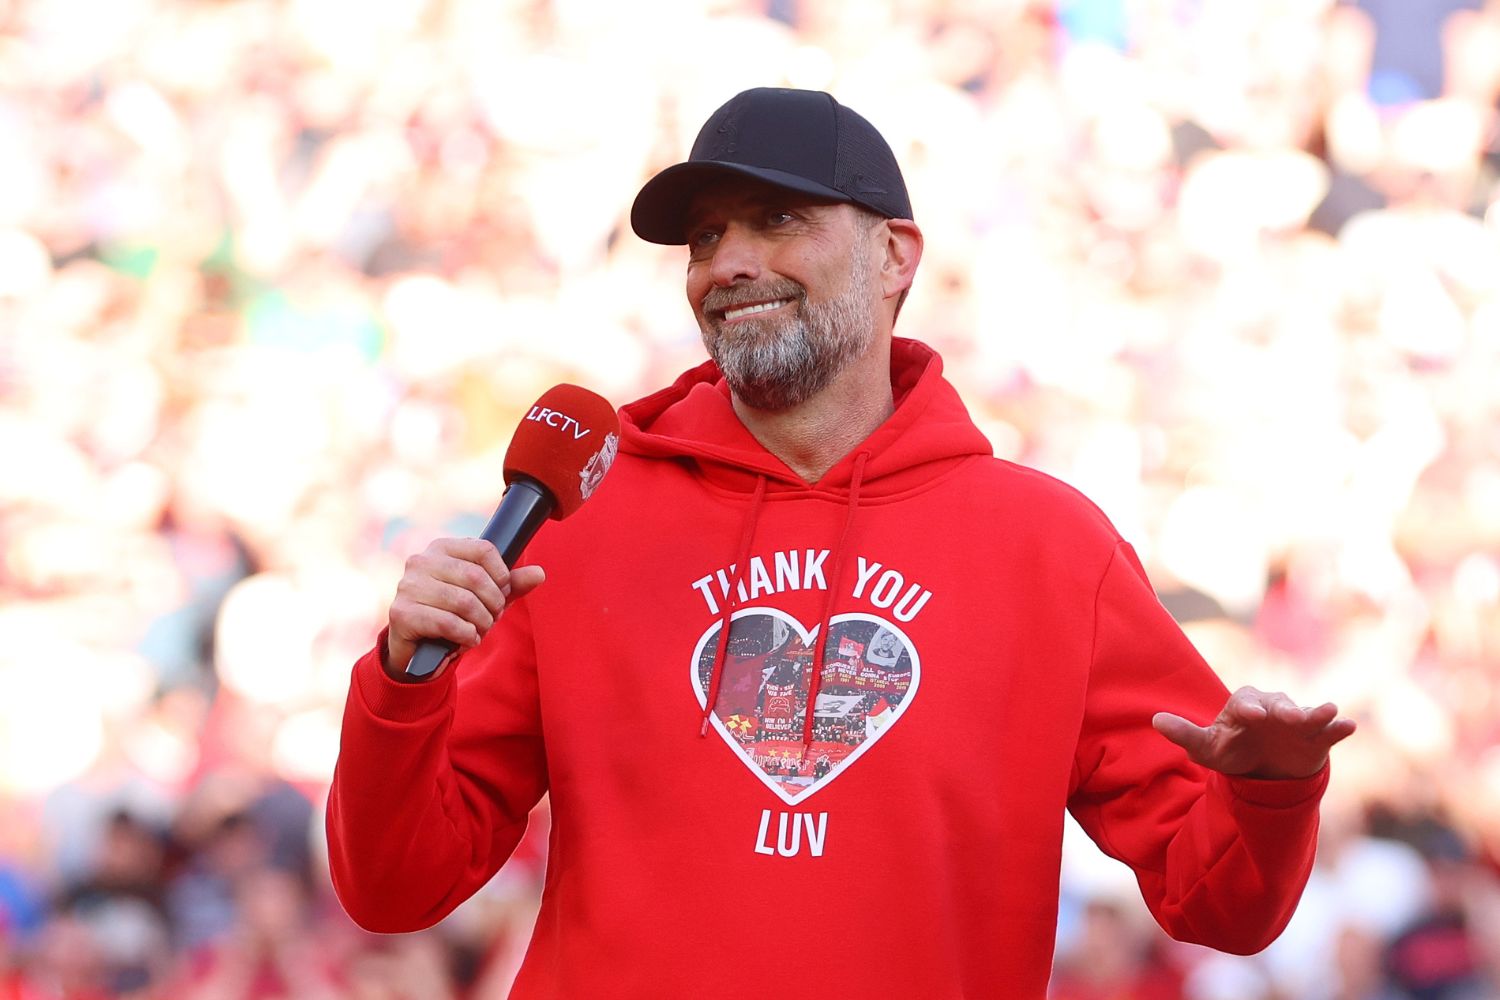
[1260,735]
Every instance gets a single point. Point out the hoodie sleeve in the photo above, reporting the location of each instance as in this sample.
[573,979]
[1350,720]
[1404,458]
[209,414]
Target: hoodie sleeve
[434,781]
[1221,861]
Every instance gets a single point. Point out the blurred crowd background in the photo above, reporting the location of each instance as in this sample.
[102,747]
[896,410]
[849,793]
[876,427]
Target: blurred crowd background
[278,277]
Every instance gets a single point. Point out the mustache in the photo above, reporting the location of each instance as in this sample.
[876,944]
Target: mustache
[720,299]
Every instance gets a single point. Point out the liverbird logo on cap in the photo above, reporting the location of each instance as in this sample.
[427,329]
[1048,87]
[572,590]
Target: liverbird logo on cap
[726,138]
[597,465]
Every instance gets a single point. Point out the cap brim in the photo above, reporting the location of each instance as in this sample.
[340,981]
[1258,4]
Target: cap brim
[659,214]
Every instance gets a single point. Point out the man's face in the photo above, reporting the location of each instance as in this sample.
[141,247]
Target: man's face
[782,287]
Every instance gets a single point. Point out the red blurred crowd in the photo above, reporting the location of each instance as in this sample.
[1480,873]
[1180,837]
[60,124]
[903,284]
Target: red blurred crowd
[277,277]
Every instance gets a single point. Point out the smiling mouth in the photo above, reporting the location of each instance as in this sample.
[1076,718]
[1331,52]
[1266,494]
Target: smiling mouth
[751,310]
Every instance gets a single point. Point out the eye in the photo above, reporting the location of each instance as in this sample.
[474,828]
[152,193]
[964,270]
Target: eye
[701,237]
[778,217]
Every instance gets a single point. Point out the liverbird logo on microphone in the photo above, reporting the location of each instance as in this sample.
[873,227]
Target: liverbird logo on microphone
[594,470]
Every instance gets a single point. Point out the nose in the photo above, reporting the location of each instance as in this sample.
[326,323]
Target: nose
[737,257]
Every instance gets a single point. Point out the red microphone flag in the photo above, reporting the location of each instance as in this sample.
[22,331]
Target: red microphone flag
[566,442]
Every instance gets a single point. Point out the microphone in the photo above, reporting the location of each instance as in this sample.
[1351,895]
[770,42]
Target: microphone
[556,460]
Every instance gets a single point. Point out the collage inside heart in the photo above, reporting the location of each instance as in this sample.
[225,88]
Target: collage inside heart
[870,674]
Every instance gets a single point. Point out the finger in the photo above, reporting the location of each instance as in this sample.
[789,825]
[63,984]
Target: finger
[484,554]
[1321,715]
[487,556]
[1308,720]
[1194,739]
[1339,730]
[1248,704]
[474,578]
[1281,708]
[476,550]
[1253,705]
[455,599]
[523,580]
[415,622]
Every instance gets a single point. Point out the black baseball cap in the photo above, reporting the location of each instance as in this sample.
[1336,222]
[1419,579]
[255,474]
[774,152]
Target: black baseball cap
[802,140]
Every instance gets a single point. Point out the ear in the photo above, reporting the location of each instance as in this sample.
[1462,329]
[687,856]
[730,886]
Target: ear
[903,251]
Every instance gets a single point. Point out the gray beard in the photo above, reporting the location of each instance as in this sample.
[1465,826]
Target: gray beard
[777,363]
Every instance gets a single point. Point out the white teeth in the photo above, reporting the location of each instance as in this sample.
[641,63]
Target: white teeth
[752,310]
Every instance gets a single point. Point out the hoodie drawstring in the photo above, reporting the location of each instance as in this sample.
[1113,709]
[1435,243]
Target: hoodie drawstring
[816,681]
[731,600]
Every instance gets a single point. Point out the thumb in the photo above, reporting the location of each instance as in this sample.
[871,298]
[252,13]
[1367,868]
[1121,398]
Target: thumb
[523,580]
[1191,738]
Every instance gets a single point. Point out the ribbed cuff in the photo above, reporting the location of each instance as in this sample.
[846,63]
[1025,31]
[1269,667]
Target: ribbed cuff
[1277,793]
[391,699]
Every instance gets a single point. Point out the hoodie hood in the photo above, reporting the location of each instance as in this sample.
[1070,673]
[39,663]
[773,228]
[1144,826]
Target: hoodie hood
[694,419]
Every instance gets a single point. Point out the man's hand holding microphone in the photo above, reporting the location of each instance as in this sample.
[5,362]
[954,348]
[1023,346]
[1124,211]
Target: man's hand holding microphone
[453,591]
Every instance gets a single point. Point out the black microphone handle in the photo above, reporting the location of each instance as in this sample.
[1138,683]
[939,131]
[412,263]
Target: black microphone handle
[523,508]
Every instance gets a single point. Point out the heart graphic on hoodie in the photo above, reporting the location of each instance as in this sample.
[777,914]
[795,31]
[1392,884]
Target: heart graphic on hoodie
[870,674]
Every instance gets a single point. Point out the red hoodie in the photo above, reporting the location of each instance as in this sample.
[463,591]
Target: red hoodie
[994,656]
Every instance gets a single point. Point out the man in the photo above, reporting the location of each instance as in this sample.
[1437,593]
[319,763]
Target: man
[984,641]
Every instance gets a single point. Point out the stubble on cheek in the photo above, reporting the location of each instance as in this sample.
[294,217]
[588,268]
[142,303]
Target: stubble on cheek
[784,357]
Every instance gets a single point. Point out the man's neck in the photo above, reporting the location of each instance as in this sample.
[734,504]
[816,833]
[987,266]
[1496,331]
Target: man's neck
[813,436]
